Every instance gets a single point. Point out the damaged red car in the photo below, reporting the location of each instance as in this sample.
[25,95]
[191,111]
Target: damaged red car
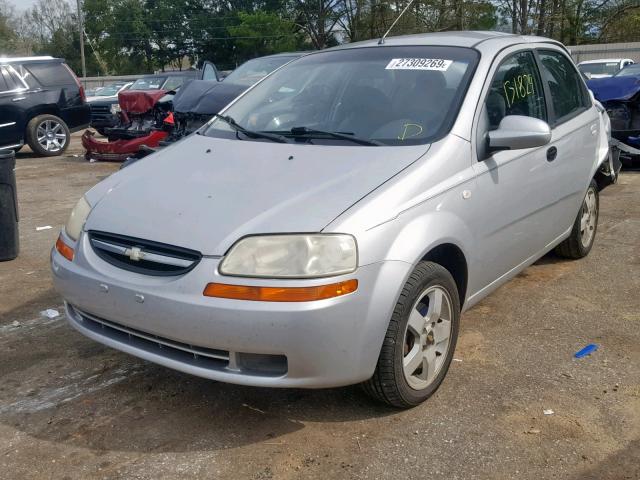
[145,120]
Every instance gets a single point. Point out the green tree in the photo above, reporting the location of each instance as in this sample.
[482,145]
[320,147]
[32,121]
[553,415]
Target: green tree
[263,33]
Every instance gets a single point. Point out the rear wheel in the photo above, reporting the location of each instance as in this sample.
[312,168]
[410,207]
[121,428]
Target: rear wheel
[48,135]
[420,339]
[583,233]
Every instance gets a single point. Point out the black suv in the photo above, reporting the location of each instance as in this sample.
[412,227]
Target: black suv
[41,103]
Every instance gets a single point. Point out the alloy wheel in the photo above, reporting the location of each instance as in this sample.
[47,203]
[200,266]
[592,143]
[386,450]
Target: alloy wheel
[51,136]
[588,218]
[427,337]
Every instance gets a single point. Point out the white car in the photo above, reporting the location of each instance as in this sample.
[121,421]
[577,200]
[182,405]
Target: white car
[603,68]
[108,92]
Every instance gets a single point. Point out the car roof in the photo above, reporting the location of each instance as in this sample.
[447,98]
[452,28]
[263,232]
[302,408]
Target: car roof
[469,39]
[604,60]
[29,59]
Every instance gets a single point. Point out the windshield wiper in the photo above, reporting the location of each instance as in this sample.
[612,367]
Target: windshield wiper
[310,132]
[250,133]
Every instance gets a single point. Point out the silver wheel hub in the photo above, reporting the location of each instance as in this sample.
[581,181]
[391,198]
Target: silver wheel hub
[588,217]
[51,136]
[427,337]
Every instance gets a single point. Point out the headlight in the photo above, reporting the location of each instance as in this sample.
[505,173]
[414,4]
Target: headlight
[292,256]
[77,218]
[115,108]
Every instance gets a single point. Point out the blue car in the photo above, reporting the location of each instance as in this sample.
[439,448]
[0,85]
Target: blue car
[620,95]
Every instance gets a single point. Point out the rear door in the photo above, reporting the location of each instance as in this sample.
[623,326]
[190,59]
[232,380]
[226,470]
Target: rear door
[575,132]
[13,99]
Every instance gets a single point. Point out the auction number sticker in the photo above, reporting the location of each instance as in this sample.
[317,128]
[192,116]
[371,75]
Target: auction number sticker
[419,64]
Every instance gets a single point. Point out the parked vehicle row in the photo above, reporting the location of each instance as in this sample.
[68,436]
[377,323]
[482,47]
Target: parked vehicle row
[332,223]
[148,115]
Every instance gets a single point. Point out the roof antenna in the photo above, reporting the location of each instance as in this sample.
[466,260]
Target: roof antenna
[381,41]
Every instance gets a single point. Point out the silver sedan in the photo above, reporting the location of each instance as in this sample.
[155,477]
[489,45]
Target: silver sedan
[331,224]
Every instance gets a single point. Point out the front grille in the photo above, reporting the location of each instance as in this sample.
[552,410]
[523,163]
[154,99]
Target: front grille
[190,354]
[100,108]
[143,256]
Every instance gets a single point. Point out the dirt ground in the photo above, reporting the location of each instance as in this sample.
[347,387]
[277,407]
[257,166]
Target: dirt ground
[73,409]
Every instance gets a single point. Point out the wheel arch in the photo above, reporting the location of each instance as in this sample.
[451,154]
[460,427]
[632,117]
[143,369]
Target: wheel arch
[46,109]
[452,258]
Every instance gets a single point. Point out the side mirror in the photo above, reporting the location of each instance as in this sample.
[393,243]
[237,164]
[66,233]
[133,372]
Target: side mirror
[517,132]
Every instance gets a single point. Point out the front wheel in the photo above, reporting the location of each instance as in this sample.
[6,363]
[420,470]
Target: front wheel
[583,233]
[420,340]
[48,135]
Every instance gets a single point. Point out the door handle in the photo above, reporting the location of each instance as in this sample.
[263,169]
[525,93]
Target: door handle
[17,99]
[552,153]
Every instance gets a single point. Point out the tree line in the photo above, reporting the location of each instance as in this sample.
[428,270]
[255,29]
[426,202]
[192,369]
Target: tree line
[136,36]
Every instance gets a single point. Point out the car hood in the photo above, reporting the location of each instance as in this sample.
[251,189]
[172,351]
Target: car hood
[205,193]
[204,97]
[614,88]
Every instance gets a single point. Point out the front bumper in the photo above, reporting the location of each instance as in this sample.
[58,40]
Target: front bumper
[119,150]
[326,343]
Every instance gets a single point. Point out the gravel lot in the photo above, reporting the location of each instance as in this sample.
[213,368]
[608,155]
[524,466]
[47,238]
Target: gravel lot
[72,409]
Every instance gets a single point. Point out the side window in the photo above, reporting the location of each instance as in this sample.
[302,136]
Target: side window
[172,83]
[3,84]
[568,94]
[516,89]
[51,74]
[11,80]
[209,73]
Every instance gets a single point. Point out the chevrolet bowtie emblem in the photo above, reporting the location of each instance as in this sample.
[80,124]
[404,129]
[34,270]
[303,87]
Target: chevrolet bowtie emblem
[135,254]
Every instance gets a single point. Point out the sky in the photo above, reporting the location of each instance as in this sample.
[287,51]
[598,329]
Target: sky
[21,5]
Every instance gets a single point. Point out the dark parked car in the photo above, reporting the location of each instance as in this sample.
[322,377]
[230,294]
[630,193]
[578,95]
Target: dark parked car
[104,113]
[41,103]
[620,95]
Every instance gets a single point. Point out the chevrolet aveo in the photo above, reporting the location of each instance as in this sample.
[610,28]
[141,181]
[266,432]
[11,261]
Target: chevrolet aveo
[330,225]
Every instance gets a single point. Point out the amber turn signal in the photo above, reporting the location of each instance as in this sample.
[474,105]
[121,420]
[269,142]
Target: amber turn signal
[63,249]
[280,294]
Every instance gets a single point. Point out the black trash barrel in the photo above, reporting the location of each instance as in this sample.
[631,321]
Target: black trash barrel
[9,242]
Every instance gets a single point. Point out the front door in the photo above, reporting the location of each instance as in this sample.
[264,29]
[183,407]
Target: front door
[513,195]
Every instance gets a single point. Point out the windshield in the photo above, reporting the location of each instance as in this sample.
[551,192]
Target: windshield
[254,70]
[108,91]
[603,68]
[390,95]
[630,71]
[148,83]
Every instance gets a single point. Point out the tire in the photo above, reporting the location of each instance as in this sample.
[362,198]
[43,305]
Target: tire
[48,135]
[390,384]
[579,243]
[101,131]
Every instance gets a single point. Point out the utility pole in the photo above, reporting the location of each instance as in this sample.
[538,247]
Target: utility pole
[81,29]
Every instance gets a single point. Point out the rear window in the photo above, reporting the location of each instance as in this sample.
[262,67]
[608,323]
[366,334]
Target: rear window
[50,74]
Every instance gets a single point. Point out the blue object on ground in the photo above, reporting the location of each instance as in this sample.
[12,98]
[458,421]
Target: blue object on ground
[588,350]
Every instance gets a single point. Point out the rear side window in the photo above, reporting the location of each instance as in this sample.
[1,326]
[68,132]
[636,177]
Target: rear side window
[3,85]
[50,74]
[568,94]
[11,81]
